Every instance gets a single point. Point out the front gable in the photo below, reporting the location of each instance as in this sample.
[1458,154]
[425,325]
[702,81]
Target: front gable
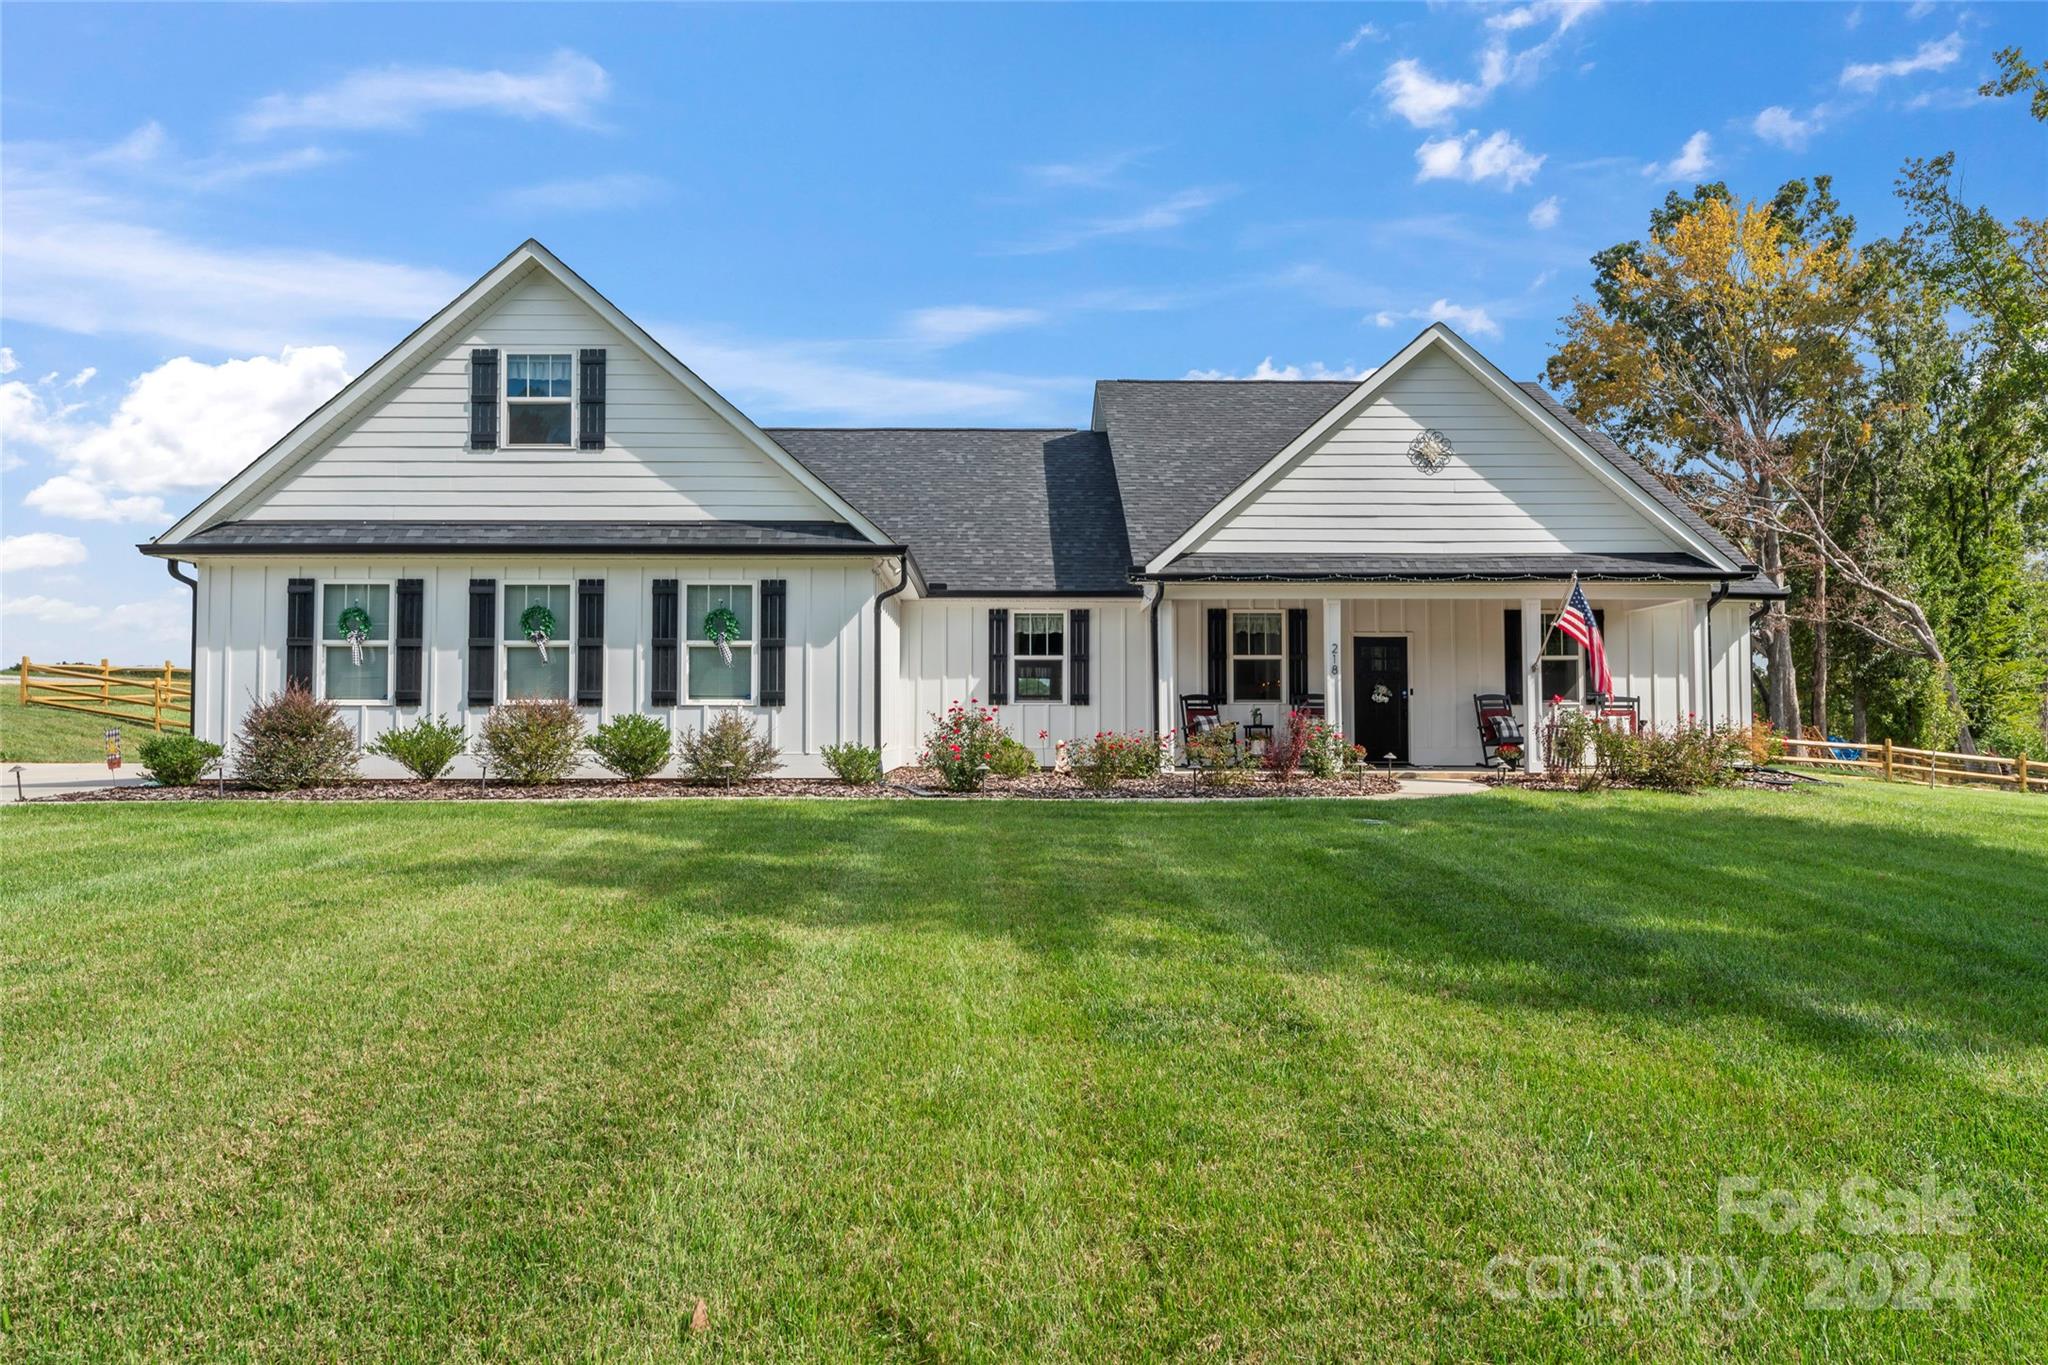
[394,445]
[1506,488]
[1518,481]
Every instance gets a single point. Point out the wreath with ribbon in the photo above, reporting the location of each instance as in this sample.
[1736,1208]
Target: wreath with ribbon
[539,625]
[355,627]
[722,627]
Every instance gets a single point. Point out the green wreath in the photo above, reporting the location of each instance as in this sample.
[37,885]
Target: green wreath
[355,628]
[538,623]
[722,627]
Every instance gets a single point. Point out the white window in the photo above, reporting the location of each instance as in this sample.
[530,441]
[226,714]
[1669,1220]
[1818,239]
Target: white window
[1038,651]
[529,610]
[1257,655]
[365,610]
[537,400]
[712,611]
[1564,660]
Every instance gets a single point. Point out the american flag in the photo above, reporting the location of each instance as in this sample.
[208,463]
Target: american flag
[1577,620]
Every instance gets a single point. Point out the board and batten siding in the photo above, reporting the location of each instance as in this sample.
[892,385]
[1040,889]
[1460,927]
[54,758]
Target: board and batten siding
[828,652]
[1508,490]
[1457,647]
[667,457]
[944,653]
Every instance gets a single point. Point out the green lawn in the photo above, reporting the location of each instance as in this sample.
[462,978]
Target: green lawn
[47,734]
[942,1081]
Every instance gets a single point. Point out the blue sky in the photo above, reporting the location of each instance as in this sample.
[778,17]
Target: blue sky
[860,216]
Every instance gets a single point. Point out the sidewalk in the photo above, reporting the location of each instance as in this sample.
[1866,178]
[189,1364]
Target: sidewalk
[54,779]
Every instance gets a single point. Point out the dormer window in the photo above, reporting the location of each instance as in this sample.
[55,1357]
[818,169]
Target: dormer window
[537,400]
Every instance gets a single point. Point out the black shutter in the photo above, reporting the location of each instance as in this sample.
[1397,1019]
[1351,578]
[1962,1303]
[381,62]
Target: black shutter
[1297,655]
[774,626]
[483,642]
[1219,654]
[998,656]
[1077,657]
[590,642]
[663,679]
[1511,650]
[298,633]
[483,398]
[590,401]
[406,636]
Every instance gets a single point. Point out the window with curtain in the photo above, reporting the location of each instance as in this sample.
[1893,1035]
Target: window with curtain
[712,676]
[1038,654]
[528,676]
[344,678]
[1258,655]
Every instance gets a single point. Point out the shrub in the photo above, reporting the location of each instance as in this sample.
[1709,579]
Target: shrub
[294,740]
[1324,750]
[728,751]
[1012,758]
[1109,758]
[531,742]
[424,748]
[1689,757]
[176,760]
[857,765]
[632,745]
[1761,741]
[1216,755]
[963,745]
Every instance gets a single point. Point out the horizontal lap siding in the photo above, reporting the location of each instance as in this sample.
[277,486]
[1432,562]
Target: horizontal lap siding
[944,648]
[828,656]
[667,456]
[1507,490]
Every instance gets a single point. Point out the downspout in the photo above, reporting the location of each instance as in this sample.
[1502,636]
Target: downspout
[1156,591]
[192,645]
[902,582]
[1719,594]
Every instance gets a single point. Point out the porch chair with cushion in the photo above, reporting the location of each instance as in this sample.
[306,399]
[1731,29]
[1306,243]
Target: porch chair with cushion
[1622,708]
[1498,727]
[1198,712]
[1308,704]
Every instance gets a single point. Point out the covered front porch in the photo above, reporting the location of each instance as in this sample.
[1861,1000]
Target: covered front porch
[1397,664]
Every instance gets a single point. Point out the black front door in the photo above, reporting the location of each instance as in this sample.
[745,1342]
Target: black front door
[1379,670]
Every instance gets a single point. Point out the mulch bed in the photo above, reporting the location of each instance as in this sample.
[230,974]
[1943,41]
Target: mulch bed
[1755,779]
[903,784]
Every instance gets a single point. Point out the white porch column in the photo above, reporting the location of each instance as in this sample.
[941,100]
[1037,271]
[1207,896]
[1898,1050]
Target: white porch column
[1332,664]
[1532,678]
[1168,690]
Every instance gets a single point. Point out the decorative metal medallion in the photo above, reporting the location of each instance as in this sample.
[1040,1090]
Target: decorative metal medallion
[1430,451]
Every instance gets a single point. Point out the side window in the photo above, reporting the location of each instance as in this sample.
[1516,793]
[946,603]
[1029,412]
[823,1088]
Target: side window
[538,639]
[716,614]
[355,640]
[537,392]
[1257,655]
[1039,653]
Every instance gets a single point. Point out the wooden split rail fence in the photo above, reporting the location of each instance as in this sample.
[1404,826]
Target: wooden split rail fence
[158,698]
[1895,763]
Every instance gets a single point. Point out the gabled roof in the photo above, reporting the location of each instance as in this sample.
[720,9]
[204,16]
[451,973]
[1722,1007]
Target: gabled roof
[437,331]
[539,537]
[986,512]
[1189,451]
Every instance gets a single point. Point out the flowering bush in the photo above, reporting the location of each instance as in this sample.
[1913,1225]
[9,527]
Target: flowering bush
[1110,757]
[963,744]
[1214,753]
[1581,750]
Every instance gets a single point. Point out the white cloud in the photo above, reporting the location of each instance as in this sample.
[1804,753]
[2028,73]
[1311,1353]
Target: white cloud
[8,364]
[37,607]
[1780,125]
[964,322]
[1566,12]
[1266,369]
[1935,55]
[1423,99]
[583,194]
[565,89]
[165,618]
[1920,9]
[1693,159]
[1160,216]
[1545,214]
[1364,33]
[82,378]
[1474,320]
[1499,157]
[182,425]
[1086,173]
[39,550]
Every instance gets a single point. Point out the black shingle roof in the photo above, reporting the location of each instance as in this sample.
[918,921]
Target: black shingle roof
[983,511]
[263,537]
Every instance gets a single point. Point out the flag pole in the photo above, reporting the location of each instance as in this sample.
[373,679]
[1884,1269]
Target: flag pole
[1529,688]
